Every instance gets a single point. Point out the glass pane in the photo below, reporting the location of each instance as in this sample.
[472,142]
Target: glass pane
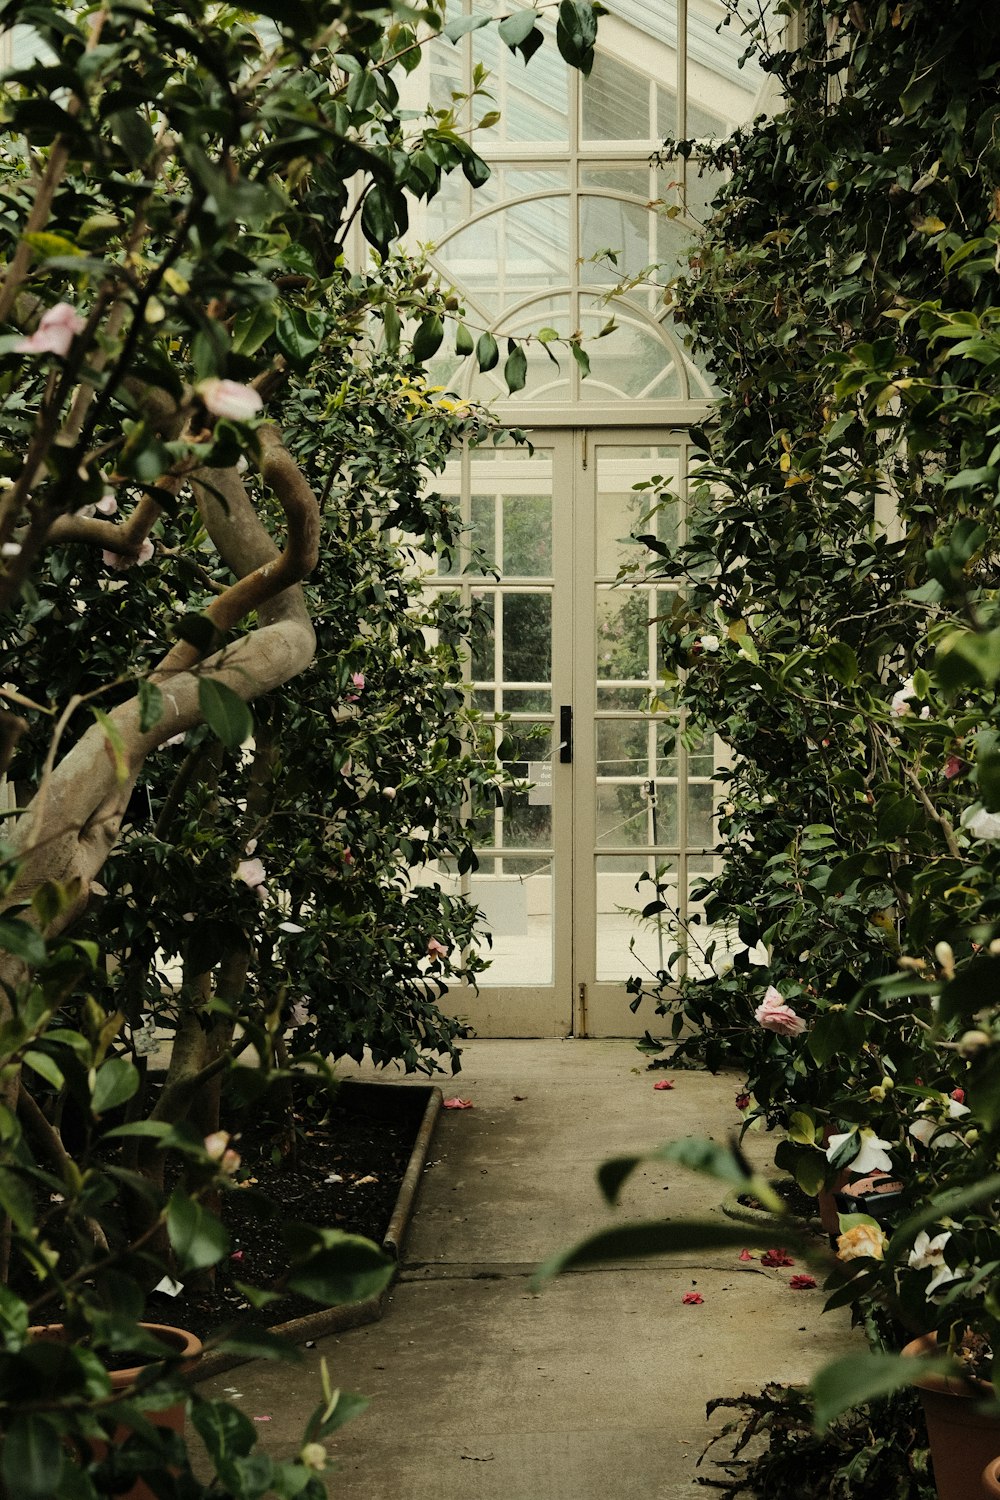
[515,897]
[623,634]
[536,700]
[623,815]
[527,637]
[533,103]
[507,254]
[622,747]
[482,531]
[621,509]
[638,360]
[610,699]
[616,101]
[483,638]
[628,943]
[527,812]
[701,809]
[527,536]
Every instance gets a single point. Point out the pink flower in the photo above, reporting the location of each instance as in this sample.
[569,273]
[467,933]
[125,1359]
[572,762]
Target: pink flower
[691,1299]
[358,681]
[122,560]
[745,1255]
[952,767]
[57,328]
[218,1148]
[251,872]
[107,505]
[774,1015]
[664,1084]
[958,1095]
[229,399]
[776,1258]
[742,1101]
[436,949]
[802,1283]
[348,856]
[457,1103]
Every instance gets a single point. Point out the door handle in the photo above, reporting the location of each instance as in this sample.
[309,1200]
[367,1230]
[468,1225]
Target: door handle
[566,734]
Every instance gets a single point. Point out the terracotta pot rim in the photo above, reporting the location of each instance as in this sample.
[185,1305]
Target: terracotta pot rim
[178,1341]
[968,1388]
[991,1477]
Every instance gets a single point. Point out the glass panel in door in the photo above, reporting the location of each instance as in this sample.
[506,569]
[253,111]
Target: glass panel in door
[644,797]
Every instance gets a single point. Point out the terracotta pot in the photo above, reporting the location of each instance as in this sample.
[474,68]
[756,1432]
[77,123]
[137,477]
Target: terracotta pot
[963,1441]
[991,1479]
[177,1341]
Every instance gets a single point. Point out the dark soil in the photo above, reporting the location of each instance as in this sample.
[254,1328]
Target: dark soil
[795,1200]
[342,1171]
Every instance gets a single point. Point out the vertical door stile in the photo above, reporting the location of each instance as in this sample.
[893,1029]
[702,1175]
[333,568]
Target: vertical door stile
[585,764]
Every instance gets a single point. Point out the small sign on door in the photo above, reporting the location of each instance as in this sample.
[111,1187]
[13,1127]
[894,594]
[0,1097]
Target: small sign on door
[540,776]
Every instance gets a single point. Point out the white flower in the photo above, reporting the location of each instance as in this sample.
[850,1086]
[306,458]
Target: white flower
[710,643]
[982,824]
[227,398]
[928,1132]
[11,549]
[928,1254]
[872,1157]
[900,705]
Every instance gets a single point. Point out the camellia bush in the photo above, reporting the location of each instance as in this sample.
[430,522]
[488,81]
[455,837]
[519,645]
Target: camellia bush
[836,625]
[234,736]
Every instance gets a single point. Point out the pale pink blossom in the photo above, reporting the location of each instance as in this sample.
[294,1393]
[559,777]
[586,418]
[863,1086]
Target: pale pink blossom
[774,1015]
[122,560]
[251,872]
[218,1148]
[107,505]
[358,682]
[57,328]
[229,399]
[436,949]
[389,792]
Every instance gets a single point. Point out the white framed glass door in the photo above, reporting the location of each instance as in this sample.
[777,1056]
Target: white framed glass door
[609,802]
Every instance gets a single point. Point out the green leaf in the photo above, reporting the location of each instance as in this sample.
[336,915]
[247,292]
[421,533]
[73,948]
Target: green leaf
[463,24]
[116,744]
[513,29]
[344,1268]
[515,370]
[582,358]
[391,324]
[252,329]
[463,340]
[23,941]
[45,1067]
[33,1458]
[197,1237]
[226,1431]
[836,1032]
[640,1240]
[116,1081]
[858,1378]
[299,334]
[576,33]
[224,712]
[428,337]
[487,351]
[150,705]
[47,245]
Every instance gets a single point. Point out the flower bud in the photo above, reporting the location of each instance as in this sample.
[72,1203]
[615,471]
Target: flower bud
[946,958]
[971,1042]
[313,1456]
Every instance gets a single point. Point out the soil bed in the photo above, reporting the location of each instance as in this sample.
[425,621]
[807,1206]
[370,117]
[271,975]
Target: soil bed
[340,1171]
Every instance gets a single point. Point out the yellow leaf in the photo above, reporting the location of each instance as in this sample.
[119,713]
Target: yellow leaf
[931,225]
[176,282]
[797,479]
[785,462]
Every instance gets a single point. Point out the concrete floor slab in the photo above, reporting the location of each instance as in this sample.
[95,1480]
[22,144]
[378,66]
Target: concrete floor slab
[484,1389]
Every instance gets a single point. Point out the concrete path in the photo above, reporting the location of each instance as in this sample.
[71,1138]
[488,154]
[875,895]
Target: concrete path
[594,1389]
